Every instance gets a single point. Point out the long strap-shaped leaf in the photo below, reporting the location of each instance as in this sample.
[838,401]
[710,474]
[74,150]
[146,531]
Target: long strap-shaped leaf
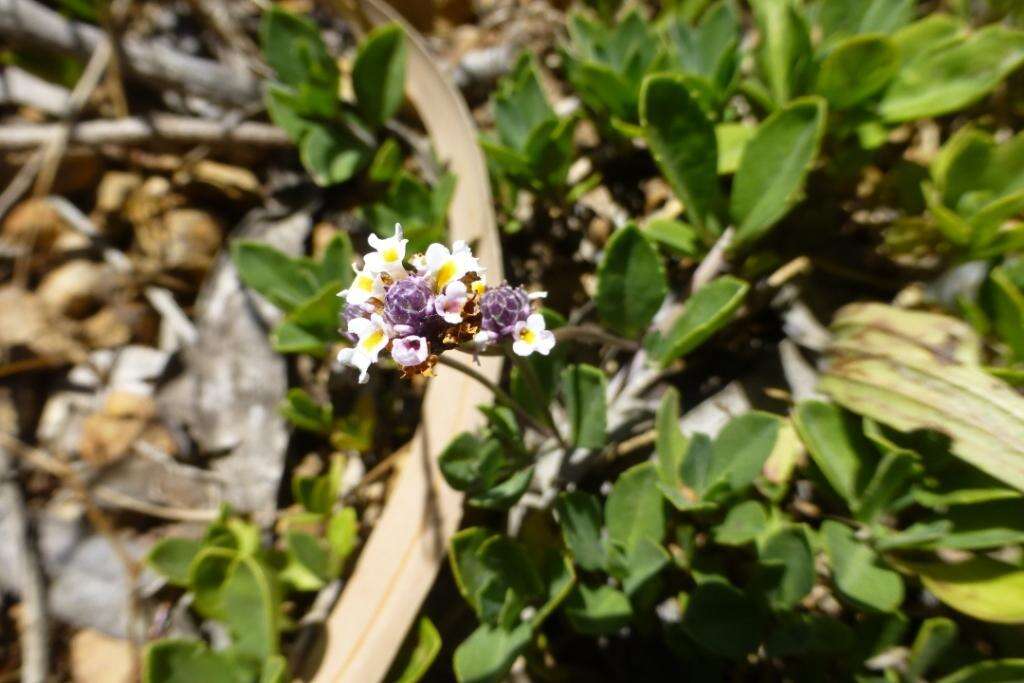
[919,371]
[400,560]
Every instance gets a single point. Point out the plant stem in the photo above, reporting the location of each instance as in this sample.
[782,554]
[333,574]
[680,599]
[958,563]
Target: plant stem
[499,393]
[592,334]
[531,379]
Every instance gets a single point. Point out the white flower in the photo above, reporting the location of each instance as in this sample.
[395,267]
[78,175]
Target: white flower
[449,305]
[410,351]
[448,266]
[388,255]
[365,286]
[372,336]
[531,335]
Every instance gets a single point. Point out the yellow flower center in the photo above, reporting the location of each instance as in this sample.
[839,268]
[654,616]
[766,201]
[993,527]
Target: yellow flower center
[365,283]
[479,287]
[372,340]
[445,274]
[390,254]
[528,335]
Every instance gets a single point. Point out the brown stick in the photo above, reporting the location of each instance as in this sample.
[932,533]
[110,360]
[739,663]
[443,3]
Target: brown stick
[26,22]
[138,130]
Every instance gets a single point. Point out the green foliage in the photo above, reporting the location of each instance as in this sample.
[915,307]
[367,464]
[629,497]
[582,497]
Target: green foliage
[774,166]
[306,290]
[234,580]
[335,138]
[631,283]
[534,147]
[707,311]
[413,666]
[421,209]
[682,141]
[583,389]
[494,468]
[606,65]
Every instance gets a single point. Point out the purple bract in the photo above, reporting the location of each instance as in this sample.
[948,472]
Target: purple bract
[502,307]
[409,302]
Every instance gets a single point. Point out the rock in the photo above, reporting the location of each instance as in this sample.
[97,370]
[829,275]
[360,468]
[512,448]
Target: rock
[115,189]
[108,435]
[33,224]
[98,658]
[235,380]
[76,288]
[182,238]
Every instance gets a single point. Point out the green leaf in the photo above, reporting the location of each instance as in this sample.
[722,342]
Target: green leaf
[985,525]
[579,516]
[890,481]
[708,310]
[784,55]
[907,370]
[1005,299]
[631,282]
[786,566]
[742,524]
[387,162]
[336,264]
[318,493]
[933,640]
[682,140]
[838,447]
[979,587]
[308,563]
[840,18]
[674,234]
[598,611]
[774,165]
[504,494]
[953,74]
[520,105]
[428,645]
[186,661]
[732,139]
[803,634]
[284,281]
[170,557]
[857,69]
[304,412]
[275,670]
[858,572]
[741,449]
[378,75]
[723,619]
[991,671]
[342,536]
[637,565]
[332,154]
[489,652]
[249,603]
[311,327]
[584,387]
[294,49]
[634,508]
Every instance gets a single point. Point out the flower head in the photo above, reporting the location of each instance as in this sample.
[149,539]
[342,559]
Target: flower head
[388,255]
[365,285]
[450,303]
[372,335]
[409,305]
[502,307]
[441,302]
[445,266]
[410,351]
[532,335]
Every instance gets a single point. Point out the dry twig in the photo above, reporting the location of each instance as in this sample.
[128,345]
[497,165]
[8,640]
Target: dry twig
[26,22]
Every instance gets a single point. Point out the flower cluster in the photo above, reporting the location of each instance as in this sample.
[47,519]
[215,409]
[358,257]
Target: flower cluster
[439,301]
